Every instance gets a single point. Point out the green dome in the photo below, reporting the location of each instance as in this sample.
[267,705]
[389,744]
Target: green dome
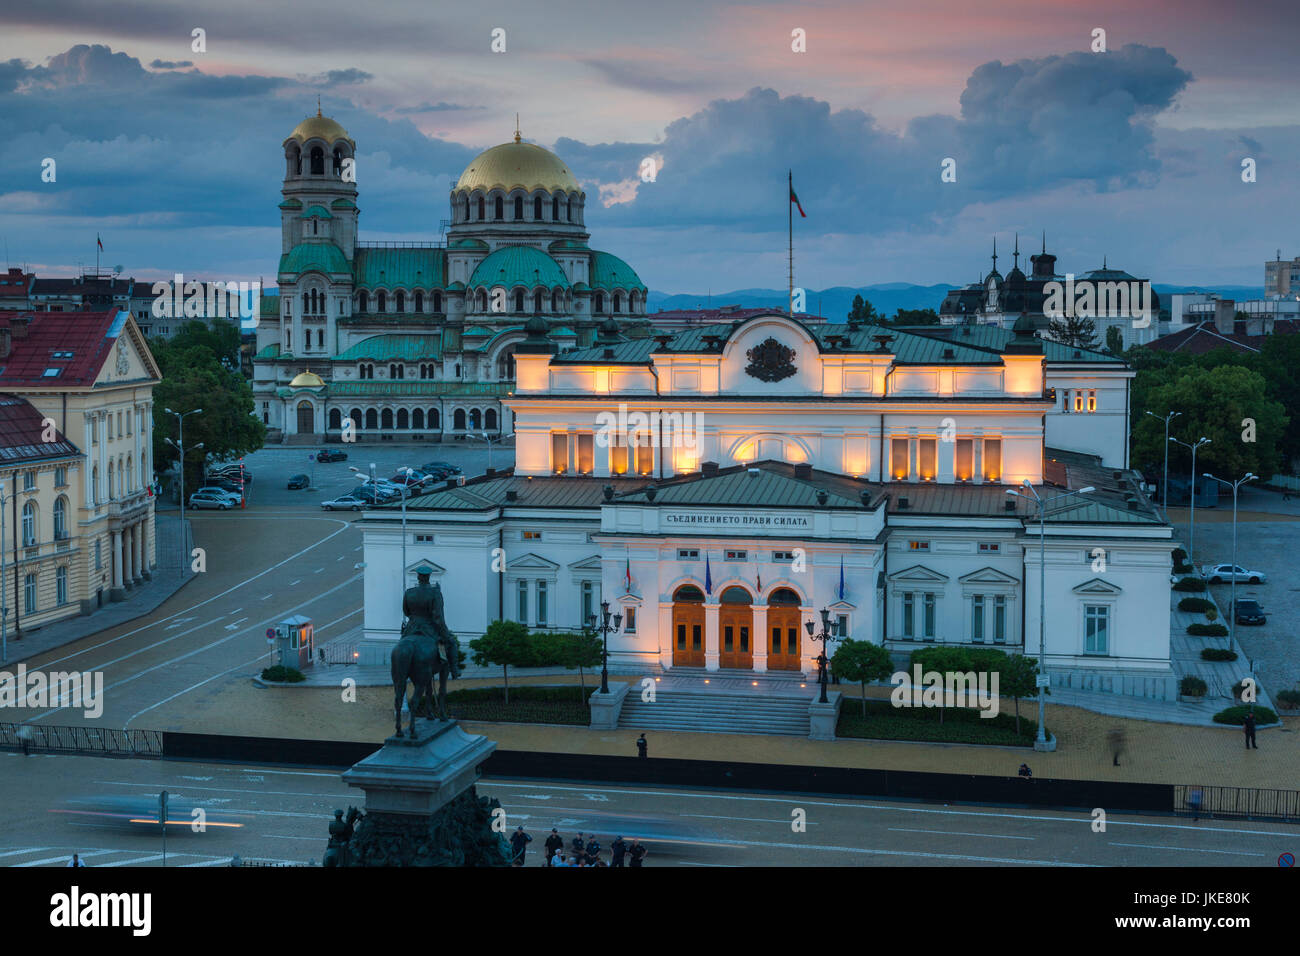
[519,266]
[314,257]
[320,211]
[611,272]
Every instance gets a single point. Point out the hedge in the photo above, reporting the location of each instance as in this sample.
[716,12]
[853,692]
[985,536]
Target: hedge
[562,704]
[1190,584]
[1195,604]
[1207,630]
[1290,699]
[280,674]
[1217,654]
[1237,715]
[1192,686]
[962,725]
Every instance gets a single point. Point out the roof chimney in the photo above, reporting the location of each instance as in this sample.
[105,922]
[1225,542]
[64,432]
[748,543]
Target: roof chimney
[1225,315]
[709,468]
[903,503]
[512,495]
[18,326]
[1009,504]
[803,470]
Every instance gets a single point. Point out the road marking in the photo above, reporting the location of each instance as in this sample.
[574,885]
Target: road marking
[235,626]
[318,571]
[266,597]
[292,583]
[142,859]
[708,816]
[992,836]
[1189,849]
[235,611]
[30,849]
[180,623]
[339,558]
[67,856]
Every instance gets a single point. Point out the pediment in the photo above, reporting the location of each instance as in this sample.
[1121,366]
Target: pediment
[1097,586]
[988,576]
[416,562]
[592,563]
[531,562]
[918,573]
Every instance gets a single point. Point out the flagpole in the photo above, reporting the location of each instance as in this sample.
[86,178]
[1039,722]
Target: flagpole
[789,215]
[97,244]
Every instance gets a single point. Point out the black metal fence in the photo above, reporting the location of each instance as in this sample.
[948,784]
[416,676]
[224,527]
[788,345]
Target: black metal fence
[44,738]
[1237,803]
[338,652]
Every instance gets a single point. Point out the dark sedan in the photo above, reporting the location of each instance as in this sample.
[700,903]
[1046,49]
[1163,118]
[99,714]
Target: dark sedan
[1249,612]
[299,481]
[326,455]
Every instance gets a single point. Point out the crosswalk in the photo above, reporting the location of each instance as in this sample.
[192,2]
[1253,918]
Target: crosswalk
[107,856]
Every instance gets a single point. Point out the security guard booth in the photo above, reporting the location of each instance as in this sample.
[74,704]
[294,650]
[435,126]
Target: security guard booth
[295,641]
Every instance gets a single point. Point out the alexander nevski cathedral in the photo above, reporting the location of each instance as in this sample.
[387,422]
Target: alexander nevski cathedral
[417,339]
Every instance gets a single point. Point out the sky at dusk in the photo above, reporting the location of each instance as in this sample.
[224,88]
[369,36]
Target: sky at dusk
[174,157]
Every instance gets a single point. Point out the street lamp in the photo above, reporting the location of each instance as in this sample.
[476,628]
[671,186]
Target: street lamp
[1232,614]
[1191,544]
[604,627]
[1042,743]
[825,637]
[4,604]
[179,445]
[490,442]
[1164,484]
[407,472]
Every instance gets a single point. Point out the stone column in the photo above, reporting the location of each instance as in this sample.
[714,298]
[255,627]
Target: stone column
[977,447]
[128,583]
[760,638]
[137,554]
[89,492]
[117,593]
[711,636]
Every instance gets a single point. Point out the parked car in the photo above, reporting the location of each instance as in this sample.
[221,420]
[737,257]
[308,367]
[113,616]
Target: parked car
[413,480]
[373,495]
[233,497]
[209,499]
[1220,573]
[299,481]
[348,502]
[326,455]
[1249,612]
[231,473]
[384,485]
[446,467]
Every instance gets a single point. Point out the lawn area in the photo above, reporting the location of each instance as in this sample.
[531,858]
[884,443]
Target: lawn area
[528,705]
[961,725]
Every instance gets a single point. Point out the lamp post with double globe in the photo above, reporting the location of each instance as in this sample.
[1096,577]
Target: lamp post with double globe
[604,626]
[824,636]
[1164,484]
[1191,542]
[1232,614]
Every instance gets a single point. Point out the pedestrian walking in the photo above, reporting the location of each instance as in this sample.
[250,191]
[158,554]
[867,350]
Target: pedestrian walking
[1194,801]
[637,852]
[519,841]
[1249,727]
[641,746]
[616,851]
[554,844]
[76,861]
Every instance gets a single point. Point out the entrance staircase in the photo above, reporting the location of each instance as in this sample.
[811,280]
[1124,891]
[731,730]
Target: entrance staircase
[728,704]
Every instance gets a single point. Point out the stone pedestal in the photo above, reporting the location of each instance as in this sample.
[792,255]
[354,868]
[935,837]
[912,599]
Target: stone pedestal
[822,718]
[421,805]
[606,708]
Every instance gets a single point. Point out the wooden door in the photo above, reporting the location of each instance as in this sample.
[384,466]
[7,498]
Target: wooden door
[735,637]
[306,419]
[688,635]
[783,637]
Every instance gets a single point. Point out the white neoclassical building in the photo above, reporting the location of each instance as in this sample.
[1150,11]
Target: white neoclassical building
[722,486]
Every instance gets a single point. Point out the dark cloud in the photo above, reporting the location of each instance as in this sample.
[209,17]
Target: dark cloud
[170,64]
[635,77]
[340,77]
[439,107]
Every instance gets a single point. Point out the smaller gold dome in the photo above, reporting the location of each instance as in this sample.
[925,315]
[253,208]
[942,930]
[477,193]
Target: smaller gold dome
[307,380]
[319,127]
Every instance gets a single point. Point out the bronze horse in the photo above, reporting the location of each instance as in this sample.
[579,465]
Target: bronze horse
[417,654]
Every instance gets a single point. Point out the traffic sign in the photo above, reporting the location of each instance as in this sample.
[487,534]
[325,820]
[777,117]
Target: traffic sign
[1286,860]
[1043,681]
[270,635]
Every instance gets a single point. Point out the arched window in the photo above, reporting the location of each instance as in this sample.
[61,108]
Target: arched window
[784,597]
[396,371]
[130,475]
[537,207]
[363,302]
[519,208]
[401,301]
[600,302]
[403,419]
[555,208]
[519,300]
[381,302]
[537,301]
[417,418]
[317,161]
[386,418]
[618,302]
[631,302]
[458,420]
[419,302]
[29,522]
[474,419]
[372,418]
[568,211]
[336,418]
[735,595]
[481,211]
[482,300]
[499,208]
[555,300]
[355,415]
[437,302]
[111,493]
[338,161]
[688,593]
[490,419]
[306,303]
[434,418]
[506,366]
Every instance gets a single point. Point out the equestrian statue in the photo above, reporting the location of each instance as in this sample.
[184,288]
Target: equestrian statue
[426,647]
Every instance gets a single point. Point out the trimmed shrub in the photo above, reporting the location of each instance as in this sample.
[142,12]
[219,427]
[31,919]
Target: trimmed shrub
[1190,584]
[1217,654]
[280,674]
[1192,686]
[1290,699]
[1179,556]
[1207,630]
[1212,614]
[1237,715]
[1196,605]
[962,725]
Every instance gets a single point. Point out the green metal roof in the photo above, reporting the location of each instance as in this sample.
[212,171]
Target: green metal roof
[567,245]
[996,338]
[611,272]
[314,257]
[269,352]
[269,307]
[291,204]
[481,494]
[519,266]
[467,389]
[396,268]
[771,488]
[406,348]
[343,204]
[320,211]
[476,330]
[467,244]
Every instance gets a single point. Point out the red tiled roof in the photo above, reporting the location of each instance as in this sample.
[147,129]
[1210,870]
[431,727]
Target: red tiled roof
[1204,337]
[22,433]
[89,336]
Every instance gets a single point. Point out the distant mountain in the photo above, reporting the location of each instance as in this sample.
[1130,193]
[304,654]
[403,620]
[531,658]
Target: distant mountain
[887,297]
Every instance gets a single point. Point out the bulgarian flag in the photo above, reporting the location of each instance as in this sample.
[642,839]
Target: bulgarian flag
[795,199]
[100,242]
[627,574]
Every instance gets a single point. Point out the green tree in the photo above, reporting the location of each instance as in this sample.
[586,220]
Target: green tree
[862,661]
[1220,404]
[582,650]
[945,660]
[1071,330]
[1017,679]
[506,643]
[863,310]
[1114,340]
[915,317]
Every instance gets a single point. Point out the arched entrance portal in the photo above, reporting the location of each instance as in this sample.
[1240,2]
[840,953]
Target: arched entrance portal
[735,625]
[306,418]
[783,628]
[688,627]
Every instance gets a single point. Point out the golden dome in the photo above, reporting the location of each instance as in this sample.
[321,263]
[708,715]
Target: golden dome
[307,380]
[517,165]
[319,127]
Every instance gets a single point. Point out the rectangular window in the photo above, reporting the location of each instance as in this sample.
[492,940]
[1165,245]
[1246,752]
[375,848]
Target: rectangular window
[541,603]
[29,480]
[928,632]
[61,586]
[29,593]
[1078,401]
[1096,625]
[783,556]
[999,619]
[964,459]
[60,477]
[530,535]
[586,453]
[927,458]
[909,615]
[993,459]
[737,555]
[523,602]
[918,546]
[1092,400]
[688,554]
[645,456]
[977,618]
[990,547]
[618,455]
[559,453]
[424,539]
[629,620]
[841,625]
[899,466]
[1065,402]
[587,602]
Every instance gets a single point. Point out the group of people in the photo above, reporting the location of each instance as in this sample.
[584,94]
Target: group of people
[581,853]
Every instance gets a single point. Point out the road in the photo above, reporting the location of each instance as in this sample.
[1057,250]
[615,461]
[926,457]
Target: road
[283,813]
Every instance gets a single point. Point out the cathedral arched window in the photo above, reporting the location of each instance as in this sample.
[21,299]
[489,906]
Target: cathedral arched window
[372,418]
[338,161]
[419,302]
[618,302]
[506,366]
[458,420]
[317,161]
[600,302]
[499,208]
[306,303]
[386,419]
[555,208]
[481,212]
[381,302]
[519,208]
[403,419]
[417,418]
[401,301]
[537,301]
[474,423]
[537,207]
[363,302]
[568,211]
[519,300]
[437,302]
[482,300]
[555,300]
[336,418]
[355,415]
[490,419]
[434,418]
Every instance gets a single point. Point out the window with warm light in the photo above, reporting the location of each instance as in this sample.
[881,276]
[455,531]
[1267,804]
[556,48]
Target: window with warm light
[618,455]
[993,459]
[964,459]
[927,458]
[899,466]
[629,620]
[1078,401]
[1092,400]
[990,547]
[918,546]
[737,555]
[645,455]
[530,536]
[559,453]
[586,452]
